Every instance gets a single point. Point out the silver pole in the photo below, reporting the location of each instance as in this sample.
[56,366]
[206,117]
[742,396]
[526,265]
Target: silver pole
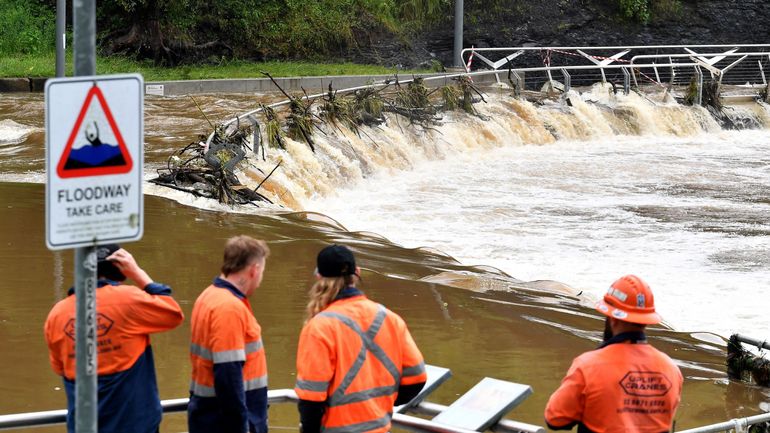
[458,33]
[86,397]
[84,35]
[61,16]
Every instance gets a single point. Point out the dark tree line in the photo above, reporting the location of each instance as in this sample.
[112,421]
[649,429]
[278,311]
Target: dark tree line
[171,32]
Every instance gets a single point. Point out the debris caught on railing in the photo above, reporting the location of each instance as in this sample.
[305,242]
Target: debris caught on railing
[745,366]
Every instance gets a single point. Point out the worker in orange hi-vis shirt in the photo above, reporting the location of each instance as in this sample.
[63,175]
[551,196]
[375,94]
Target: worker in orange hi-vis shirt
[625,385]
[356,359]
[126,316]
[228,392]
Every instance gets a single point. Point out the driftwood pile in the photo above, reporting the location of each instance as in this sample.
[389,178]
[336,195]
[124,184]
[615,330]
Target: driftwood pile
[209,171]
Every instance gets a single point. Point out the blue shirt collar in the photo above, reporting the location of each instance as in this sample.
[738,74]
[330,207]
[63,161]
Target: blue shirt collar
[224,284]
[100,283]
[348,292]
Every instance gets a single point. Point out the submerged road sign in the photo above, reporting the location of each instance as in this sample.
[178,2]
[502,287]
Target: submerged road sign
[94,159]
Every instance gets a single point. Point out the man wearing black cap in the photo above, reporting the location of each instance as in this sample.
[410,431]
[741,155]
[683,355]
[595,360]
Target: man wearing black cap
[356,359]
[126,316]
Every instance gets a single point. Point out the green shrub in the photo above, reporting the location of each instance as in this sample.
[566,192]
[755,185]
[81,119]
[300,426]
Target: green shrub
[638,10]
[26,27]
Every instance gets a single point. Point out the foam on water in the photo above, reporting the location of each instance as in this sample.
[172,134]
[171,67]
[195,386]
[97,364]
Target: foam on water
[688,215]
[13,133]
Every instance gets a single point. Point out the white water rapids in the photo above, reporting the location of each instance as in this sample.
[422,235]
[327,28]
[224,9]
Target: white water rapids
[683,204]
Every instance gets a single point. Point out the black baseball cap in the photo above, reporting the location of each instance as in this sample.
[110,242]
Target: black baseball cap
[336,261]
[104,267]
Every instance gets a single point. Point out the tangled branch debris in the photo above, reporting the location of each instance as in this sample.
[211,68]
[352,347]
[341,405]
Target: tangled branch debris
[209,170]
[742,365]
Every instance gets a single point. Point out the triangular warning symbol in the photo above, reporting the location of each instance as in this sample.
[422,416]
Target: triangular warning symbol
[95,145]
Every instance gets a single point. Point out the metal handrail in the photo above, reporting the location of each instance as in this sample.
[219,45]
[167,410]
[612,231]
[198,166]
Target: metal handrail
[616,47]
[737,424]
[565,68]
[688,55]
[54,417]
[442,77]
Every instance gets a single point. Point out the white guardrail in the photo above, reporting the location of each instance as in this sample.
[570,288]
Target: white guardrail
[54,417]
[588,65]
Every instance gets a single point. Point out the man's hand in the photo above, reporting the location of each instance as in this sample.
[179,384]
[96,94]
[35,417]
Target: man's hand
[125,262]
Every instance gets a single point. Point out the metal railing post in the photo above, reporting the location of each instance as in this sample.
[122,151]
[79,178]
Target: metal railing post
[673,70]
[517,82]
[567,82]
[626,81]
[698,86]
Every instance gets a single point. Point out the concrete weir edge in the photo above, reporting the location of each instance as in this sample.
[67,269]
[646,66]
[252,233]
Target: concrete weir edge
[246,85]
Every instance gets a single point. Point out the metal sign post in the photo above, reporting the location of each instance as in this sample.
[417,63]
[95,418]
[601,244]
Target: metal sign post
[86,394]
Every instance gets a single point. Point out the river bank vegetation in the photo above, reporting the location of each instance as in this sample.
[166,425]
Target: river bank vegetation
[153,35]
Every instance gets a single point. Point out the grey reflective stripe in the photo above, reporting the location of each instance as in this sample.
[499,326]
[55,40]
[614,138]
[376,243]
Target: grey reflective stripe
[355,397]
[414,371]
[200,351]
[260,382]
[360,427]
[312,385]
[202,390]
[367,338]
[253,346]
[229,356]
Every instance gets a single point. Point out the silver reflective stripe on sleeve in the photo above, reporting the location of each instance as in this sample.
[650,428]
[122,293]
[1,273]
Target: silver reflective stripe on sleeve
[414,371]
[260,382]
[254,346]
[202,390]
[312,385]
[360,427]
[200,351]
[229,356]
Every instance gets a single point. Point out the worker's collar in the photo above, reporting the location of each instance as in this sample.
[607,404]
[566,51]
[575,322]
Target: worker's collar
[633,337]
[99,283]
[224,284]
[348,292]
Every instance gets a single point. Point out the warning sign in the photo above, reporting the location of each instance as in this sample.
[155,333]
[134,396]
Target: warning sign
[94,160]
[91,150]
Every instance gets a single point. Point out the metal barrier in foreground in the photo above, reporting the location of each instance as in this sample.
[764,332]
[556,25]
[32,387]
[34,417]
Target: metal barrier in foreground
[460,417]
[739,425]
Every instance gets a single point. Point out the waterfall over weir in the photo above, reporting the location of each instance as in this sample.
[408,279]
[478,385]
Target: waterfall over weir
[579,193]
[342,158]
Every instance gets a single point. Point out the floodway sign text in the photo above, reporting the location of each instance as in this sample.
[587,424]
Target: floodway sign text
[94,160]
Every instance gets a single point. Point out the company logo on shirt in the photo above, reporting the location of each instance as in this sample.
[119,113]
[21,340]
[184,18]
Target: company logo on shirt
[645,384]
[103,326]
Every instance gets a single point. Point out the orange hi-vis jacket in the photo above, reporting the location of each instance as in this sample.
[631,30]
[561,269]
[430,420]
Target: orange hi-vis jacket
[353,356]
[621,387]
[226,338]
[126,315]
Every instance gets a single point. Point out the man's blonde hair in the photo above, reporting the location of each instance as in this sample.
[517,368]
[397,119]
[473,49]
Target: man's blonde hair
[242,251]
